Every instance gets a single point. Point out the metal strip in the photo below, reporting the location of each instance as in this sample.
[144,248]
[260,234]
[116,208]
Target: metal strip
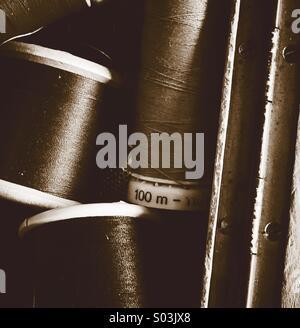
[274,175]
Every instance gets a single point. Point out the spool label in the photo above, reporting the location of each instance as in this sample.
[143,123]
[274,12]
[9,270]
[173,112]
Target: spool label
[169,197]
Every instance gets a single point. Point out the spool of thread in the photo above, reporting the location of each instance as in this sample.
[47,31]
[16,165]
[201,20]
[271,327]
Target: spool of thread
[51,105]
[113,255]
[179,88]
[26,16]
[179,91]
[86,256]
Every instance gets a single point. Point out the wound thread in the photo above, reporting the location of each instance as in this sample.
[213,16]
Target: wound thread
[51,105]
[179,89]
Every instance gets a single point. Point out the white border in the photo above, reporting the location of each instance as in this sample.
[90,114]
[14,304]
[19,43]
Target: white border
[29,196]
[83,211]
[57,59]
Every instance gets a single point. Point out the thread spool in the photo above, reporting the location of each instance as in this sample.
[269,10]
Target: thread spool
[51,105]
[86,256]
[24,17]
[179,91]
[179,88]
[113,255]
